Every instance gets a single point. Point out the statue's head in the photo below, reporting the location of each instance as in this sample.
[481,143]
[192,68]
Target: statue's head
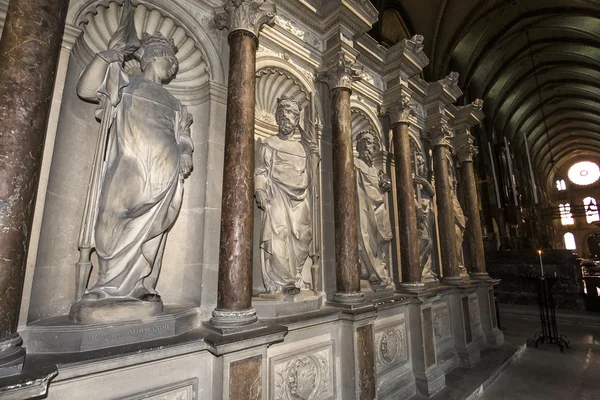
[159,52]
[287,115]
[366,145]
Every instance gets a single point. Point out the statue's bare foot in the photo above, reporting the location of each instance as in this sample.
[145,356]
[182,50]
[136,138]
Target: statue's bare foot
[152,297]
[290,290]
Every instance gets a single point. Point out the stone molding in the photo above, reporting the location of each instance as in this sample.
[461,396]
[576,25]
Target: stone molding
[245,15]
[340,72]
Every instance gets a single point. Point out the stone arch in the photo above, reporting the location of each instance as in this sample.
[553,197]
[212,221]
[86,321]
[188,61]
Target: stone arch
[198,56]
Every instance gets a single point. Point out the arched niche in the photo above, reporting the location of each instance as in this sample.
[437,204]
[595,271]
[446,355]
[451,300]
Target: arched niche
[188,277]
[276,78]
[364,120]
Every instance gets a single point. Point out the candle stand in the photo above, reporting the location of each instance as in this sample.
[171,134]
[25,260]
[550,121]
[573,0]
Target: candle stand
[549,333]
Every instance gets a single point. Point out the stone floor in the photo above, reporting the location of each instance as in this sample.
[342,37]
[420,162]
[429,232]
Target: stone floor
[545,373]
[516,372]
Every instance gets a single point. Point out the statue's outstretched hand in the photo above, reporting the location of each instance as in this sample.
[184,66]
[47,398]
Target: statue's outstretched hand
[385,183]
[186,165]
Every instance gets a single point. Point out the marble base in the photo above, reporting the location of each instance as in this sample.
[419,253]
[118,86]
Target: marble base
[12,355]
[59,335]
[378,293]
[280,305]
[108,311]
[469,356]
[431,382]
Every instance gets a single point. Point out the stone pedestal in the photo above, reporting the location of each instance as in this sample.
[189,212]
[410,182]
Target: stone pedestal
[467,348]
[429,377]
[339,75]
[400,113]
[280,305]
[487,309]
[29,51]
[357,334]
[234,301]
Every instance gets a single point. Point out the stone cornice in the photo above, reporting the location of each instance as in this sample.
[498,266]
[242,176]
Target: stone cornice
[406,58]
[445,91]
[468,116]
[245,15]
[340,71]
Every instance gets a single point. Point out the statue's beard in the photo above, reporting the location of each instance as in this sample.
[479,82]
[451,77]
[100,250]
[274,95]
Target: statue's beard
[286,128]
[367,157]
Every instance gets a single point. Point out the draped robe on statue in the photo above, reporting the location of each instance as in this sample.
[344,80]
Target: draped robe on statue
[375,232]
[281,172]
[142,188]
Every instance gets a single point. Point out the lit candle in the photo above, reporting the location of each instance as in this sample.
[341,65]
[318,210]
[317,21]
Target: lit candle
[541,263]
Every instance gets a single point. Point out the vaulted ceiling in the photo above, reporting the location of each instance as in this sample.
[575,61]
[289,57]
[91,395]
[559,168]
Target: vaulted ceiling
[536,63]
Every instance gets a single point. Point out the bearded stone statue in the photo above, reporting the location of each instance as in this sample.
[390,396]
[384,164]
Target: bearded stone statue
[282,180]
[375,232]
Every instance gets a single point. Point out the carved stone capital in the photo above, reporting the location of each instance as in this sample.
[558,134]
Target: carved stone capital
[340,72]
[245,15]
[464,147]
[440,135]
[399,111]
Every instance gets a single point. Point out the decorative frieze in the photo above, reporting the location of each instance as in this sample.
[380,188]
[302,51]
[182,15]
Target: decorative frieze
[340,72]
[245,15]
[309,375]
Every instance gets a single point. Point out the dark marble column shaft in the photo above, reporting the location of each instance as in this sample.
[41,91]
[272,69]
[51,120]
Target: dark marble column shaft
[29,51]
[443,195]
[235,255]
[474,235]
[407,217]
[344,193]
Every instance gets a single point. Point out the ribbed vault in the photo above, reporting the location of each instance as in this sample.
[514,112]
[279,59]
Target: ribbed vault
[535,62]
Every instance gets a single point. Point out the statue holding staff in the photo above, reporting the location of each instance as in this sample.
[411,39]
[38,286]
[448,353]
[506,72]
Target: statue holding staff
[284,174]
[136,191]
[375,231]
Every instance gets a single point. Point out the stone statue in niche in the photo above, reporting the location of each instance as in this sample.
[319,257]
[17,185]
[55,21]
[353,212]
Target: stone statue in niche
[425,218]
[140,190]
[283,179]
[375,232]
[460,222]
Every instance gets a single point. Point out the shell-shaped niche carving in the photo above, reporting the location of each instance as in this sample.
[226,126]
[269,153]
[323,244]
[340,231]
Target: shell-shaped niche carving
[100,23]
[272,84]
[360,123]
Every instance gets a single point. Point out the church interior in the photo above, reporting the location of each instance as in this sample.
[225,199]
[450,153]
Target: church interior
[299,199]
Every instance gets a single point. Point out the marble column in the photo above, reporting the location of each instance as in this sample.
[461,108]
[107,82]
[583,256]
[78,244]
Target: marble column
[440,137]
[464,148]
[407,214]
[243,19]
[339,75]
[29,51]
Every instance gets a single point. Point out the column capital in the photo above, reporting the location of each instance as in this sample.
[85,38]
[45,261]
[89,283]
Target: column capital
[245,15]
[400,110]
[464,147]
[340,71]
[440,135]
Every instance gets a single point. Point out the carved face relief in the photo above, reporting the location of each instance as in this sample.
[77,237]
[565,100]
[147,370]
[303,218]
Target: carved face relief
[366,147]
[162,66]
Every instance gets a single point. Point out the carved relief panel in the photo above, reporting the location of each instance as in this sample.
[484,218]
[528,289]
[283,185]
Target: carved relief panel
[391,347]
[307,375]
[442,330]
